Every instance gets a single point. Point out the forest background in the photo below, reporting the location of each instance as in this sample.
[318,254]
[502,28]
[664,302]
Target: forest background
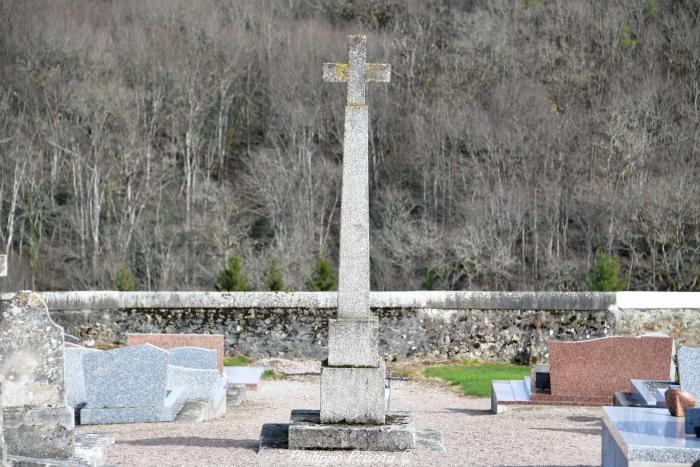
[144,143]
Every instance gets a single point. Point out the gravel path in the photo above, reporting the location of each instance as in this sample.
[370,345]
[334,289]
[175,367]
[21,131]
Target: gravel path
[472,435]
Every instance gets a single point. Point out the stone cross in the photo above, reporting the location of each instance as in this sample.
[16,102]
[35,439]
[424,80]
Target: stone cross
[352,379]
[353,270]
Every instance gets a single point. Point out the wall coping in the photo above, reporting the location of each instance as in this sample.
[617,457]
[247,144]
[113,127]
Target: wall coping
[437,300]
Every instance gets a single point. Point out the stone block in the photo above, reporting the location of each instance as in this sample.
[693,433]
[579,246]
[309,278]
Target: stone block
[353,395]
[689,370]
[353,342]
[307,432]
[198,384]
[42,432]
[171,341]
[193,357]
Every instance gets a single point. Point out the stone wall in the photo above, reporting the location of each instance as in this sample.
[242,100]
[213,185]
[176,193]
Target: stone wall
[488,325]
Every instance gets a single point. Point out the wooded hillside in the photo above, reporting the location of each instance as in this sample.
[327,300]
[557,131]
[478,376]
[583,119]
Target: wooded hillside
[517,138]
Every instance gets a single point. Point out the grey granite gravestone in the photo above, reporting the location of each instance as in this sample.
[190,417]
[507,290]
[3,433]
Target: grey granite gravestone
[75,380]
[37,421]
[195,370]
[689,370]
[193,357]
[353,412]
[128,385]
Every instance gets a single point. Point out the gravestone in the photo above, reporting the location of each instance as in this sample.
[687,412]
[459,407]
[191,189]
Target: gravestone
[37,421]
[75,380]
[589,372]
[689,370]
[3,265]
[353,411]
[171,341]
[195,371]
[193,357]
[128,385]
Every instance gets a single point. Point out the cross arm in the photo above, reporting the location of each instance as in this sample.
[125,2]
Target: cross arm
[338,72]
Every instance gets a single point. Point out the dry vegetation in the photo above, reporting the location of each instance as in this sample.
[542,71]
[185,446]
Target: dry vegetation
[516,139]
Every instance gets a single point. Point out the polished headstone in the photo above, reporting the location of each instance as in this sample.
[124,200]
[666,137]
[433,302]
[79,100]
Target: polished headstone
[200,385]
[37,421]
[193,357]
[75,380]
[128,385]
[170,341]
[689,370]
[591,371]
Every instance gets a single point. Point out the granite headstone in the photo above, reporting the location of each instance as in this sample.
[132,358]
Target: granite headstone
[193,357]
[128,385]
[689,370]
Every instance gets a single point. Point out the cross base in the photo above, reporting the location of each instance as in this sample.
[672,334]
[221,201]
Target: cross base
[307,432]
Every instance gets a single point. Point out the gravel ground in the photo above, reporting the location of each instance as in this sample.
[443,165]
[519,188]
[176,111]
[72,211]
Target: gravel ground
[472,435]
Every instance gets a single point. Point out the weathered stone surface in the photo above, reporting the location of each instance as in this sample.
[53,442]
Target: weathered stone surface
[353,269]
[3,265]
[353,395]
[128,385]
[75,380]
[307,432]
[36,420]
[353,342]
[3,451]
[45,432]
[31,354]
[193,357]
[171,341]
[689,370]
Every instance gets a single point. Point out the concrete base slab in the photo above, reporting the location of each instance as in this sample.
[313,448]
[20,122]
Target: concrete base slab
[307,432]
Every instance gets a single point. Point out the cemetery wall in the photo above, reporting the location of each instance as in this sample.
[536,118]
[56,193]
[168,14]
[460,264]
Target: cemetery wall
[490,325]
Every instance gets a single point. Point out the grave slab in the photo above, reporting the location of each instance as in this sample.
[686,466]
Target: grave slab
[200,384]
[646,437]
[170,341]
[249,376]
[307,432]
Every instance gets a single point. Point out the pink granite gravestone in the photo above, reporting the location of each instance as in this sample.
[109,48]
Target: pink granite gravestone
[171,341]
[590,372]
